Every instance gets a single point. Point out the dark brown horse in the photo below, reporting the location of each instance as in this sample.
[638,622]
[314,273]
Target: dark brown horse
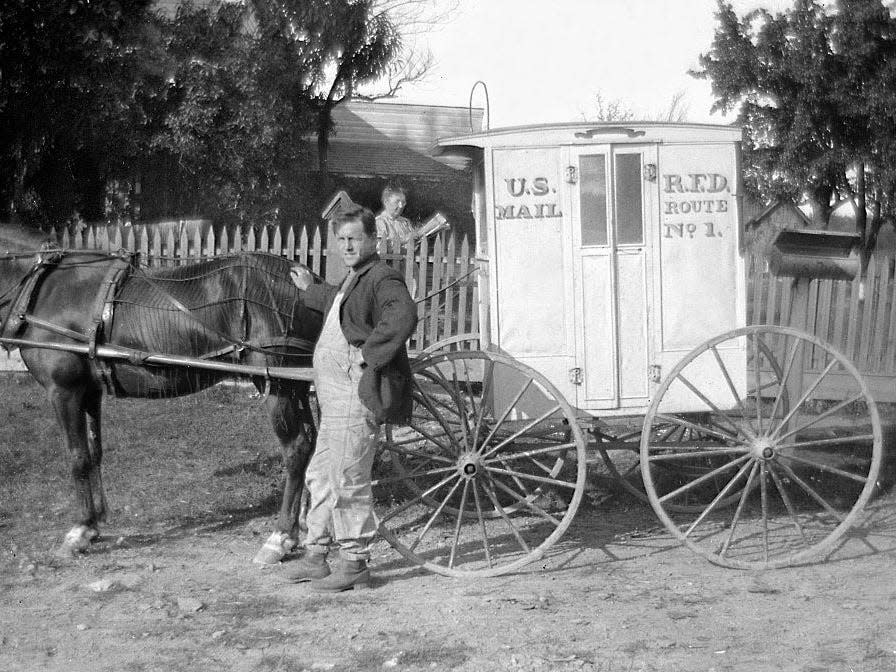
[240,309]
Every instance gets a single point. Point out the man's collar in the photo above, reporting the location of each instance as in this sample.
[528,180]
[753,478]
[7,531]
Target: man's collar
[367,263]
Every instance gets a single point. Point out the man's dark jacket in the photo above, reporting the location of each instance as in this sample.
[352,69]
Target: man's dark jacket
[378,316]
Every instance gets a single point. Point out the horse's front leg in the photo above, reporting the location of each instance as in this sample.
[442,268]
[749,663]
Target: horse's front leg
[289,416]
[69,405]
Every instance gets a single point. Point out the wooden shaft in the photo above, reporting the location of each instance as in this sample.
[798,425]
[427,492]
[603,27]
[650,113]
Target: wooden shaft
[138,358]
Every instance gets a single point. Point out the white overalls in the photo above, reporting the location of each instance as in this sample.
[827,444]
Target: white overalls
[338,475]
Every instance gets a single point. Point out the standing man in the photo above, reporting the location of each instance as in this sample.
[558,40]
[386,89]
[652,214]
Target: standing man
[363,378]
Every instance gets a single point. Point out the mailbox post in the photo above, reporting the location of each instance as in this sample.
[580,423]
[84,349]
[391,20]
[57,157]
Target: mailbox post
[806,255]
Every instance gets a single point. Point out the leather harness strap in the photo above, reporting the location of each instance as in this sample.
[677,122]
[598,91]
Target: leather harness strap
[104,313]
[18,309]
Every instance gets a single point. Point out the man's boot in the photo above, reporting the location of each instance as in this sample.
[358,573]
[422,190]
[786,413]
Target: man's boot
[349,574]
[312,565]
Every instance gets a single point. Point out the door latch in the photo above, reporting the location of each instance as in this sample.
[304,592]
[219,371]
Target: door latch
[575,375]
[655,373]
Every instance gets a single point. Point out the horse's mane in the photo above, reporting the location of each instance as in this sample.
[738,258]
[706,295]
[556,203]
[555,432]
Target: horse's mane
[15,238]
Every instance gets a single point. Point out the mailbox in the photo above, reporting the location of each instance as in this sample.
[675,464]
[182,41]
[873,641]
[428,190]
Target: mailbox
[815,254]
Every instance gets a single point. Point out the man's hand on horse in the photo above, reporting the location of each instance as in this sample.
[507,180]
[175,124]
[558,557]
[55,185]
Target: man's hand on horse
[301,277]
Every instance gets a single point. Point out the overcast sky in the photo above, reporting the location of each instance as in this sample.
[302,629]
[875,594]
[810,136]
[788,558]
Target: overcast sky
[544,60]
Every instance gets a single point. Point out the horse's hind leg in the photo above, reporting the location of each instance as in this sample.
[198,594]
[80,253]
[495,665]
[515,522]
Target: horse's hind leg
[289,417]
[72,417]
[93,403]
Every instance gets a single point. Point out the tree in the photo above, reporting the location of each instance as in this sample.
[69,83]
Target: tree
[346,46]
[207,111]
[815,87]
[66,74]
[618,110]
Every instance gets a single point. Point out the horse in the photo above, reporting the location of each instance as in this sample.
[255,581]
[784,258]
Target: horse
[62,307]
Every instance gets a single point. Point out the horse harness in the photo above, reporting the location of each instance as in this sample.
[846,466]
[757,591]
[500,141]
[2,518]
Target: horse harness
[121,266]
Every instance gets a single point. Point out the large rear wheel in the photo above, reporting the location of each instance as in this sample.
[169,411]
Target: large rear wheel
[770,478]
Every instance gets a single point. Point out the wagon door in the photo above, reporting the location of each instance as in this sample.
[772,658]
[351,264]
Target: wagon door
[613,211]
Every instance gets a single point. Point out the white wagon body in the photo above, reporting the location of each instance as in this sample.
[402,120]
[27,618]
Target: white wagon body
[611,251]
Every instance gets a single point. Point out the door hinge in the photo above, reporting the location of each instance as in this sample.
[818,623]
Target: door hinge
[575,375]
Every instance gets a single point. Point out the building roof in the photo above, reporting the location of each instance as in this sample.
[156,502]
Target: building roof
[379,138]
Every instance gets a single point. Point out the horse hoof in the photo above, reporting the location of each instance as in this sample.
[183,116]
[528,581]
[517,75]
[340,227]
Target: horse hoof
[77,540]
[277,545]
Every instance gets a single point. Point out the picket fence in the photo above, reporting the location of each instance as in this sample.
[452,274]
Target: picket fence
[441,271]
[857,317]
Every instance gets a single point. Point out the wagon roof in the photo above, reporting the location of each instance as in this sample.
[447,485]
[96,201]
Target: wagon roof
[585,133]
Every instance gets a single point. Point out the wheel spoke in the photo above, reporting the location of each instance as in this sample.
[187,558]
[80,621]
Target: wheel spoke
[735,519]
[416,500]
[435,440]
[527,502]
[435,515]
[516,479]
[727,376]
[430,406]
[482,528]
[738,431]
[802,400]
[763,492]
[460,519]
[826,468]
[786,499]
[563,447]
[682,423]
[811,492]
[500,509]
[394,448]
[705,477]
[486,394]
[719,497]
[506,412]
[531,477]
[517,434]
[788,367]
[821,416]
[461,406]
[414,474]
[757,397]
[835,441]
[700,452]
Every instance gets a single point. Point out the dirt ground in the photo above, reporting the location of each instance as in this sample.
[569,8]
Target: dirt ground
[171,586]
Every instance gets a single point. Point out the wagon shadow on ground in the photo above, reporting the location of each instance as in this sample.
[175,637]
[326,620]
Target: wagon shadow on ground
[198,466]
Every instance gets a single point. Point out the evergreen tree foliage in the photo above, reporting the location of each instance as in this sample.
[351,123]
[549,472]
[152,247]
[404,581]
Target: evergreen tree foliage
[815,88]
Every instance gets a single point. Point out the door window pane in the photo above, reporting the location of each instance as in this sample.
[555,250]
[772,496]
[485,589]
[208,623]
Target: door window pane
[629,219]
[593,199]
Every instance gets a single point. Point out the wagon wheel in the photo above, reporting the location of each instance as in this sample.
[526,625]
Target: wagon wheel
[620,453]
[802,475]
[458,342]
[490,471]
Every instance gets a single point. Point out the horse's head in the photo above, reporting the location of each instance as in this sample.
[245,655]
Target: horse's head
[20,248]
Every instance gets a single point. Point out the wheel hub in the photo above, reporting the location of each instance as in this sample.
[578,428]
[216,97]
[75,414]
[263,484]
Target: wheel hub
[469,466]
[763,448]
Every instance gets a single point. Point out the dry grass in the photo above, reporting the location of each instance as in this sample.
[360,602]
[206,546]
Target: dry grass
[206,459]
